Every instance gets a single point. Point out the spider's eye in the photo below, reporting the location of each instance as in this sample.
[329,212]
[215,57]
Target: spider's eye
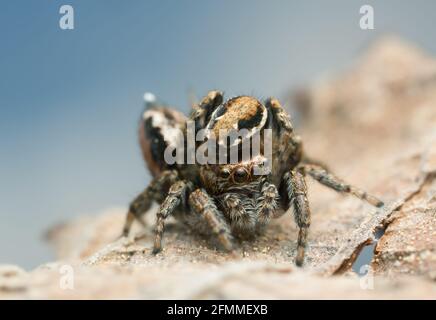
[240,175]
[224,173]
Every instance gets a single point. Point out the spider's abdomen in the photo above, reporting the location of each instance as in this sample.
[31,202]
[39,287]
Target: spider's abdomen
[158,129]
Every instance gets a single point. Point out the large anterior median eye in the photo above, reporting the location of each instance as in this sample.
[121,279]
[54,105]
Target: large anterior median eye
[224,173]
[240,175]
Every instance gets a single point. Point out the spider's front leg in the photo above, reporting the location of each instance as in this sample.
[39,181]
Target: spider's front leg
[288,145]
[204,205]
[297,197]
[280,115]
[176,195]
[323,176]
[142,203]
[204,109]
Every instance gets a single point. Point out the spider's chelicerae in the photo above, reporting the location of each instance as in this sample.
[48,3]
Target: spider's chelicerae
[228,199]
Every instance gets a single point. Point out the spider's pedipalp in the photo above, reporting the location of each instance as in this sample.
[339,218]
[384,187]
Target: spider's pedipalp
[267,203]
[236,209]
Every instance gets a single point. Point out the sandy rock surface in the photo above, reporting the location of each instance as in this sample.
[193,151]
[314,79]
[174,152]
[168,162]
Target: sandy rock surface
[375,126]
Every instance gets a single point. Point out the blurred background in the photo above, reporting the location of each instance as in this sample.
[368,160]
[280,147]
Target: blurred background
[70,99]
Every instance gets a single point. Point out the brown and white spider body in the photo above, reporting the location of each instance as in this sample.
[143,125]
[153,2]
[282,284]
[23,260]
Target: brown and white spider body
[230,198]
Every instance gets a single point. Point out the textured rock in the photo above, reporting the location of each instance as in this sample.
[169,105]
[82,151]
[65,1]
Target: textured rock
[375,126]
[409,243]
[237,280]
[379,119]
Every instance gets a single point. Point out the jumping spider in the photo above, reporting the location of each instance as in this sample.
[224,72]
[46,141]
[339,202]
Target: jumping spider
[228,199]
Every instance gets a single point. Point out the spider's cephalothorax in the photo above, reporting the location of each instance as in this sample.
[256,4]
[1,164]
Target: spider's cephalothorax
[230,197]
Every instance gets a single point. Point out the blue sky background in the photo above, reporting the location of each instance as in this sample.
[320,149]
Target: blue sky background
[70,100]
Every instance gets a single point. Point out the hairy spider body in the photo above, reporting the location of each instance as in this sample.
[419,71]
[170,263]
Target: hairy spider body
[230,198]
